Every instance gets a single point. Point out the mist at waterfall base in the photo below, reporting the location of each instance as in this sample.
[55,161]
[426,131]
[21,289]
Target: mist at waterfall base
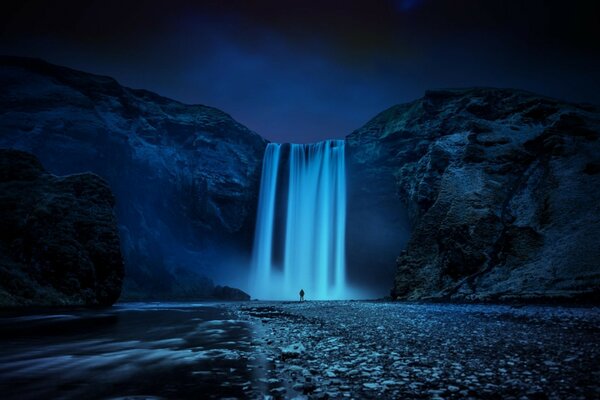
[300,238]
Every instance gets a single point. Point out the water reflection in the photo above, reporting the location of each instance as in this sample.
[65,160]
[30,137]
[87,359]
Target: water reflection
[159,350]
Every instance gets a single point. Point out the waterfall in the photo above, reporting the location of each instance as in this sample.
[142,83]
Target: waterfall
[299,241]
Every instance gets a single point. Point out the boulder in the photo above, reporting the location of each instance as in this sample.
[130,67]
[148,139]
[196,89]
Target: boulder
[229,293]
[59,243]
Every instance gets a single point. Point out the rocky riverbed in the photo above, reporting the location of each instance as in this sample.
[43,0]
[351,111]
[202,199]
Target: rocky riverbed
[309,350]
[390,350]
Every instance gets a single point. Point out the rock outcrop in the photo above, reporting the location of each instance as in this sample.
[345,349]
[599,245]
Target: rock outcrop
[185,176]
[229,293]
[59,242]
[502,190]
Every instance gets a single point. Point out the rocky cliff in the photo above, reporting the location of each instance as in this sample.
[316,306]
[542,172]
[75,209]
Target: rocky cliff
[59,243]
[502,190]
[498,190]
[185,176]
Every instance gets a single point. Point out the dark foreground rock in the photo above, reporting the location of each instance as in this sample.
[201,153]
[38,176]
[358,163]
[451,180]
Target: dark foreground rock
[337,350]
[185,176]
[59,242]
[502,190]
[229,293]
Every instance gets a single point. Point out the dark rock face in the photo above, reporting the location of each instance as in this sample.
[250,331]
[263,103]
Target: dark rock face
[502,191]
[185,176]
[377,224]
[59,243]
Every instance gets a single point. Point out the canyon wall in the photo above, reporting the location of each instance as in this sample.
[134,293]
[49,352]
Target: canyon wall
[502,192]
[185,177]
[470,194]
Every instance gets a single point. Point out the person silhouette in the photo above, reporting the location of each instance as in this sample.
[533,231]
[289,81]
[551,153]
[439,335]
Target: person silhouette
[301,294]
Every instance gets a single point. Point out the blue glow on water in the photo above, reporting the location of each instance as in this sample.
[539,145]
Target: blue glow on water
[263,237]
[314,210]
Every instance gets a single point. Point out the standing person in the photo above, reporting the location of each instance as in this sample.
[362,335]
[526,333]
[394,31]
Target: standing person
[301,294]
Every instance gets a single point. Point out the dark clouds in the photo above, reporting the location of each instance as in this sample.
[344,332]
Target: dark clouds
[303,71]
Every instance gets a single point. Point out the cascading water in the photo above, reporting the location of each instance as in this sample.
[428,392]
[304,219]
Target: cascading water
[301,219]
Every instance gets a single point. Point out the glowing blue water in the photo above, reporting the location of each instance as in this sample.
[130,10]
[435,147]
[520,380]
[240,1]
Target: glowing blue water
[313,204]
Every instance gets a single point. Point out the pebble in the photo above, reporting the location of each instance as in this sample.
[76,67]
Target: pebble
[453,389]
[371,385]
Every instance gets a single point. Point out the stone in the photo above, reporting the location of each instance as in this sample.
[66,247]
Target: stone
[229,293]
[278,391]
[372,385]
[292,351]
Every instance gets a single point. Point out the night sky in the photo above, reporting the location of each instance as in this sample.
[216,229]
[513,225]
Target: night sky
[303,71]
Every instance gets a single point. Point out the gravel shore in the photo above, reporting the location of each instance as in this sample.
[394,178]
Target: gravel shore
[347,349]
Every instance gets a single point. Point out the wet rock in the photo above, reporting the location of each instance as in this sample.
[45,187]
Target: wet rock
[278,391]
[372,385]
[453,389]
[292,351]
